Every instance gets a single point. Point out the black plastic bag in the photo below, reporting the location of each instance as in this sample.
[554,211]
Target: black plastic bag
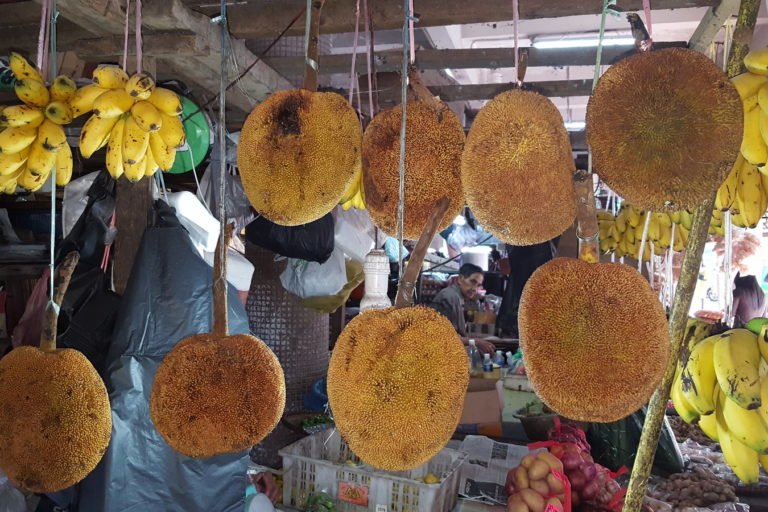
[310,242]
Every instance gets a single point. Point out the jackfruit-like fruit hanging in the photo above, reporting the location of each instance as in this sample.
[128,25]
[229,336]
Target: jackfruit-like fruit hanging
[396,385]
[297,154]
[433,144]
[215,395]
[517,169]
[595,338]
[665,128]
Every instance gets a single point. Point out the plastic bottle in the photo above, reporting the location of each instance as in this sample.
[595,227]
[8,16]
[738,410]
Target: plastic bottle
[475,363]
[499,359]
[487,363]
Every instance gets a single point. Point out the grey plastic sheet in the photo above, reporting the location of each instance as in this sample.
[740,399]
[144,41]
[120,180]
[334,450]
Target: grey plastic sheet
[168,298]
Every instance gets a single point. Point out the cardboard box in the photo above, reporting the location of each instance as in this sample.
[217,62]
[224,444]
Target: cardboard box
[483,403]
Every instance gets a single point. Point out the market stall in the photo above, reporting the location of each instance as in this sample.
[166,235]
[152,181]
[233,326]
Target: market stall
[392,256]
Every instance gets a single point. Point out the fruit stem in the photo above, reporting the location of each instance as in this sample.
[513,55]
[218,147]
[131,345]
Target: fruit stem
[419,92]
[313,36]
[408,281]
[220,313]
[51,316]
[586,216]
[649,439]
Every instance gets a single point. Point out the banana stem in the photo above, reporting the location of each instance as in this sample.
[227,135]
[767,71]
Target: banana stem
[311,59]
[408,282]
[649,439]
[586,216]
[220,313]
[51,316]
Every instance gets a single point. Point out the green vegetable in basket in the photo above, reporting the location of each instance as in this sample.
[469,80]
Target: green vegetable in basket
[320,502]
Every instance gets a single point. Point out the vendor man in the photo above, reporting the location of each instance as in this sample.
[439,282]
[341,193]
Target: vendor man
[450,302]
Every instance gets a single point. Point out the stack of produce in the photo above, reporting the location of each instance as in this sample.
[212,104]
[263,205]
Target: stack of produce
[32,140]
[700,488]
[623,234]
[538,483]
[684,431]
[744,192]
[722,383]
[137,121]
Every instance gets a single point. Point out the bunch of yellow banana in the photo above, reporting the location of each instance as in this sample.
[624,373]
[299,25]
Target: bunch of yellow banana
[624,233]
[32,140]
[138,122]
[721,383]
[744,192]
[753,90]
[354,196]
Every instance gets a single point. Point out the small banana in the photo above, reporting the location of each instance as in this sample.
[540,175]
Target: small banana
[151,166]
[762,342]
[749,195]
[135,171]
[51,135]
[140,86]
[21,115]
[172,131]
[15,139]
[166,101]
[110,77]
[752,144]
[135,143]
[726,193]
[708,425]
[112,103]
[115,149]
[32,182]
[698,378]
[756,61]
[64,165]
[747,426]
[8,182]
[684,409]
[32,92]
[82,102]
[762,98]
[40,161]
[23,69]
[147,116]
[742,459]
[748,84]
[737,361]
[59,112]
[763,125]
[62,89]
[163,154]
[11,162]
[95,134]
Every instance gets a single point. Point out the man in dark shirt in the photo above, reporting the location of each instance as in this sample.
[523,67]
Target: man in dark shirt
[450,302]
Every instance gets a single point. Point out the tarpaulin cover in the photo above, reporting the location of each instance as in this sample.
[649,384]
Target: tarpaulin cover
[168,298]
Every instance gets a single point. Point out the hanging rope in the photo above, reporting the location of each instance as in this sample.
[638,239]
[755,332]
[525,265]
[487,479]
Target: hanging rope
[411,33]
[403,106]
[515,24]
[223,143]
[352,72]
[139,39]
[648,24]
[51,23]
[125,36]
[41,47]
[370,56]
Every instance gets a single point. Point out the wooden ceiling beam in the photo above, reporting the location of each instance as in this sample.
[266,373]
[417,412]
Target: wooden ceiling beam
[264,19]
[390,95]
[106,18]
[492,58]
[711,24]
[169,44]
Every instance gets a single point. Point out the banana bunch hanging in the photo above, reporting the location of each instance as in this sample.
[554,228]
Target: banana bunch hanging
[137,121]
[745,193]
[32,139]
[354,196]
[720,383]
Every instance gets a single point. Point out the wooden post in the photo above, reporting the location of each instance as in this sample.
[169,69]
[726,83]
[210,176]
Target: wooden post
[697,238]
[132,214]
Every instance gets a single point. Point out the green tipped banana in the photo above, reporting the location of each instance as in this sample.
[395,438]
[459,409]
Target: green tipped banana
[756,324]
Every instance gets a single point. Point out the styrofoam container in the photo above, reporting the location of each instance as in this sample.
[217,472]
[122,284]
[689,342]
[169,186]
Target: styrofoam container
[324,463]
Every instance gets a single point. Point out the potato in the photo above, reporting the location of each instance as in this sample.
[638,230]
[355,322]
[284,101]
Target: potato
[552,461]
[555,503]
[520,478]
[538,470]
[541,487]
[528,461]
[555,485]
[516,504]
[534,500]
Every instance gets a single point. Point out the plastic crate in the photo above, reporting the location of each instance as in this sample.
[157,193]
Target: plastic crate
[324,463]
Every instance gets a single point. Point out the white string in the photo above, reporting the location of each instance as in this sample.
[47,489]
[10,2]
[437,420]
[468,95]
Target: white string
[53,11]
[641,252]
[403,106]
[352,72]
[223,141]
